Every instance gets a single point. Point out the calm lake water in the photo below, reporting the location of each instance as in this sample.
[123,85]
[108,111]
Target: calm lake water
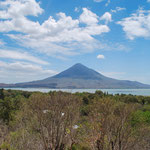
[144,92]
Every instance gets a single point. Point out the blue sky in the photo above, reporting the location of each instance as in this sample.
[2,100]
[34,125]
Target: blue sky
[41,38]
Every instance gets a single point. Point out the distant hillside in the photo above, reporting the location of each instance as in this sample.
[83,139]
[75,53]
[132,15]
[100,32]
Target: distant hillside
[6,85]
[80,76]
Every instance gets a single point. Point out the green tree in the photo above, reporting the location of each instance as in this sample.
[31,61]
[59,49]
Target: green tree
[1,93]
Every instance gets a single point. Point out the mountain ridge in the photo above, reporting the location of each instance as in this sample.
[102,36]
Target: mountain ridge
[80,77]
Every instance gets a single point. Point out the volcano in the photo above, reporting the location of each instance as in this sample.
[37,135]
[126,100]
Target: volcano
[81,77]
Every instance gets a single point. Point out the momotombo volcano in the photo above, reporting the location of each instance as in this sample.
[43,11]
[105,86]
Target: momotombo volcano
[79,77]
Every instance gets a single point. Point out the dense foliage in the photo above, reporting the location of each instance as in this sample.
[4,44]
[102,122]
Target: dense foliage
[79,121]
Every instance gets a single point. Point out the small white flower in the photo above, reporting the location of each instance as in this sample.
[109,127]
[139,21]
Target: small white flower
[45,111]
[62,114]
[75,126]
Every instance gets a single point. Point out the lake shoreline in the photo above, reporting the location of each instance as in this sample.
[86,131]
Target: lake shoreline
[143,92]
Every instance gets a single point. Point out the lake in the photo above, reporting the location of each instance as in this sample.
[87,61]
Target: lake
[144,92]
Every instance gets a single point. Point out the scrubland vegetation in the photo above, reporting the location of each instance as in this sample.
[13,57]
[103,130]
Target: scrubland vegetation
[80,121]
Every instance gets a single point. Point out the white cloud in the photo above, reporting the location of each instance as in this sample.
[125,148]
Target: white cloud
[20,56]
[21,72]
[98,1]
[77,9]
[19,8]
[108,2]
[88,17]
[148,1]
[117,9]
[61,36]
[101,57]
[107,17]
[137,25]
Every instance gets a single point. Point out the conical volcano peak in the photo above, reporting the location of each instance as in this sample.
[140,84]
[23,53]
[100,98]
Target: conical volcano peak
[79,71]
[79,66]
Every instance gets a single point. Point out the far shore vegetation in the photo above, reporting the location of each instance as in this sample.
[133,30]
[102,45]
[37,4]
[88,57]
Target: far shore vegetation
[79,121]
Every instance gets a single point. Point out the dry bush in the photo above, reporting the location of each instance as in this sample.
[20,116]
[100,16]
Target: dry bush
[110,126]
[47,122]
